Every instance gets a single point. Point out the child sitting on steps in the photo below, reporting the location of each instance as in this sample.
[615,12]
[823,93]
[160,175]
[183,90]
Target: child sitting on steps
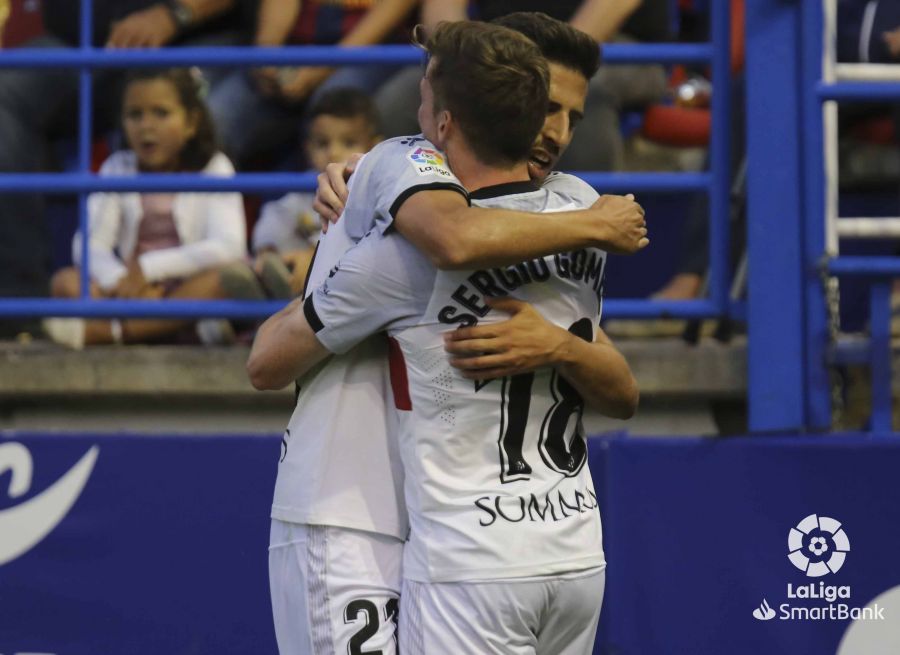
[155,245]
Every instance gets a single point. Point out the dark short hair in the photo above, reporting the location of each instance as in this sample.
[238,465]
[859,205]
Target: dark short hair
[347,102]
[189,86]
[559,42]
[494,82]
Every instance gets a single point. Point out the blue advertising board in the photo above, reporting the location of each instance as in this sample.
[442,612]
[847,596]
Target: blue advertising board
[164,550]
[157,544]
[700,533]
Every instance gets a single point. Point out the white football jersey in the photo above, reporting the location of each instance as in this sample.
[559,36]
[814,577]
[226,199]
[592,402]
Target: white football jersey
[338,467]
[496,479]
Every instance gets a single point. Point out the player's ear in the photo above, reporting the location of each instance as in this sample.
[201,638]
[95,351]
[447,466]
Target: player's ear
[445,125]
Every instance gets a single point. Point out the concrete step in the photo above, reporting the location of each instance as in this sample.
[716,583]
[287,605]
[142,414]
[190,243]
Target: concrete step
[666,367]
[196,389]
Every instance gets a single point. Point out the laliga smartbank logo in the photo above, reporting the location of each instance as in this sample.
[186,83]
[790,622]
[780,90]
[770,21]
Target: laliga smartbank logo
[818,546]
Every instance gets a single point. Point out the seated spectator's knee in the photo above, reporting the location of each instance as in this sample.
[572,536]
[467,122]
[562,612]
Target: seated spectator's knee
[66,283]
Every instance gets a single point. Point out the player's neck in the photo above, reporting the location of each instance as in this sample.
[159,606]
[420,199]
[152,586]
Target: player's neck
[475,174]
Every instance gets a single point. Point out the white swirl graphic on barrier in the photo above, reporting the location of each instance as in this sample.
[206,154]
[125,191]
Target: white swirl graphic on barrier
[818,546]
[867,637]
[23,526]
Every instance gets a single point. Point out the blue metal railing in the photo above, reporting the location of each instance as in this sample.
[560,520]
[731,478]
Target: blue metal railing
[90,57]
[816,379]
[67,183]
[86,58]
[858,91]
[720,156]
[879,270]
[85,107]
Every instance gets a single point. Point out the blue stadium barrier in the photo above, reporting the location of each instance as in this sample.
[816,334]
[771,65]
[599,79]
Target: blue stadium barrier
[877,270]
[157,544]
[790,381]
[86,58]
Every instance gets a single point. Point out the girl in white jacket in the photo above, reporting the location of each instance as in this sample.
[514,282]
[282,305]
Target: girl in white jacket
[154,245]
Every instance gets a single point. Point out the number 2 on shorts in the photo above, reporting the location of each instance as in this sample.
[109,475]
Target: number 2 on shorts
[370,610]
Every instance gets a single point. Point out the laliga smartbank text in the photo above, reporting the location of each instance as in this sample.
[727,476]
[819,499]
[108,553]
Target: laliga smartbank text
[818,546]
[834,610]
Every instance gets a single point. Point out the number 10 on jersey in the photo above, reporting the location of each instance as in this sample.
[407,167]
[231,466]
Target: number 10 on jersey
[561,452]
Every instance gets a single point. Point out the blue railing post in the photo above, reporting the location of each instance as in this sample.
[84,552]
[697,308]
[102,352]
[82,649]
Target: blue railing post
[880,354]
[775,381]
[818,384]
[84,141]
[720,156]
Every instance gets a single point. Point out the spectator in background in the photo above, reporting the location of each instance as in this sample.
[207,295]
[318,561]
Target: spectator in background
[20,21]
[5,11]
[689,280]
[612,89]
[342,122]
[154,245]
[868,31]
[36,107]
[258,110]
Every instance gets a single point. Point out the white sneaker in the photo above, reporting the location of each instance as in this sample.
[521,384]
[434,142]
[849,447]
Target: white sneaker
[215,332]
[68,332]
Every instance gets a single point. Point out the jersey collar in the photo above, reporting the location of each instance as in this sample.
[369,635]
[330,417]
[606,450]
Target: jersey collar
[505,189]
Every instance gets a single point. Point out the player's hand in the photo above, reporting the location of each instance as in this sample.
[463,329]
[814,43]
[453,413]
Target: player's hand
[522,343]
[148,28]
[623,229]
[331,193]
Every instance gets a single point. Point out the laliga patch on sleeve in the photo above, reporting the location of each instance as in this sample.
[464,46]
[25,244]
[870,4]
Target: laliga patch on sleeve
[429,162]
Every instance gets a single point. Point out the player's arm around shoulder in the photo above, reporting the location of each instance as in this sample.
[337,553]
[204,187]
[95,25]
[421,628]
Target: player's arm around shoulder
[527,341]
[284,349]
[617,223]
[433,221]
[428,205]
[456,236]
[430,218]
[365,291]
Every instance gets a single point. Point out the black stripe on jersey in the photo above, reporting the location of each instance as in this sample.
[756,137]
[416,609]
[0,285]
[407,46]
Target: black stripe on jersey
[311,316]
[312,261]
[433,186]
[505,189]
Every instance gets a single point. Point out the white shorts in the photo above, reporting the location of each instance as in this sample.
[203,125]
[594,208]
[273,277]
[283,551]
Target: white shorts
[335,591]
[552,615]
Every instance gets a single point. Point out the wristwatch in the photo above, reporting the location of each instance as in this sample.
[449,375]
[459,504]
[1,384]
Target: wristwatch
[181,14]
